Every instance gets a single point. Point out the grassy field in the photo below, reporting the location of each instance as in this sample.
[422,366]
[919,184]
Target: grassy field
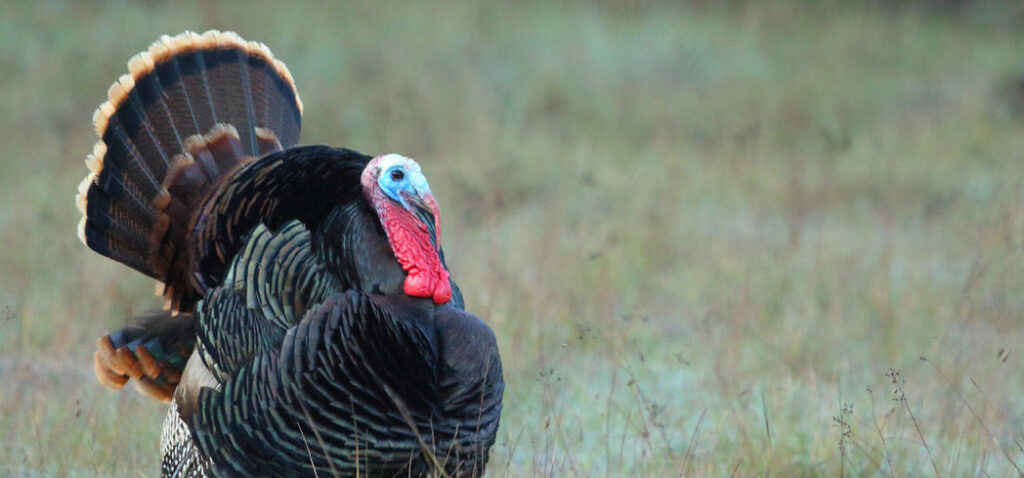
[754,240]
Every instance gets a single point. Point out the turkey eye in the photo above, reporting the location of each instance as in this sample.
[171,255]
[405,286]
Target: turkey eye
[397,175]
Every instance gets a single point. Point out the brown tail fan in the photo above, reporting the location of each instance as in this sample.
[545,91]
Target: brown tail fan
[191,110]
[152,351]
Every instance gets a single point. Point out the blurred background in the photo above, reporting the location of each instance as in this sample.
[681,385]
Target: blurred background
[734,238]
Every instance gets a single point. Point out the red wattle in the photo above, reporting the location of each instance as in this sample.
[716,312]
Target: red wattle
[411,242]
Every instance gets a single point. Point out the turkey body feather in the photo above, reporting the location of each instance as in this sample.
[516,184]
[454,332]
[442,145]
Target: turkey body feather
[332,398]
[312,327]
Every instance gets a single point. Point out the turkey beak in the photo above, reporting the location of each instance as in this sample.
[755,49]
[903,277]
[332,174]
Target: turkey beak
[424,207]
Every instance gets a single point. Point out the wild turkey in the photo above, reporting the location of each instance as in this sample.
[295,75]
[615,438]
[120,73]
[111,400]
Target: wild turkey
[311,326]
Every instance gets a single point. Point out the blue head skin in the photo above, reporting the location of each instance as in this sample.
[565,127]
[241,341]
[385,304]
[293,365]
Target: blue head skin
[401,180]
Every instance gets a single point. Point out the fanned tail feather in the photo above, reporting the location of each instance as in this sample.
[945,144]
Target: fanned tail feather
[153,351]
[213,100]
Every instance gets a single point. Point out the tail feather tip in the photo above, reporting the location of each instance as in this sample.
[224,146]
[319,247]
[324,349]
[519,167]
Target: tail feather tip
[106,376]
[141,64]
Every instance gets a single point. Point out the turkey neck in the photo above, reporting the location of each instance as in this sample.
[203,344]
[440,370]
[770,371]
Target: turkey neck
[356,250]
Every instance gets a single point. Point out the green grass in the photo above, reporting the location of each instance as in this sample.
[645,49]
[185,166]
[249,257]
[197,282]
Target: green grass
[703,235]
